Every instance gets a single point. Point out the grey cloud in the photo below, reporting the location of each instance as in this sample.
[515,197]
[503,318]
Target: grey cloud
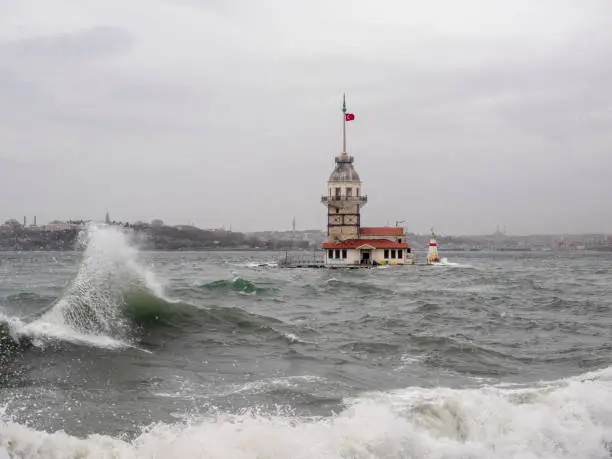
[459,132]
[91,43]
[32,70]
[29,66]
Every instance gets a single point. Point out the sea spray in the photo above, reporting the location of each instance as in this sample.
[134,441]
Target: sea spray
[91,307]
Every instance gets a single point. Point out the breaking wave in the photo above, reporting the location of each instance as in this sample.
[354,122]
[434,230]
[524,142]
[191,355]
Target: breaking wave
[149,311]
[91,309]
[566,419]
[114,297]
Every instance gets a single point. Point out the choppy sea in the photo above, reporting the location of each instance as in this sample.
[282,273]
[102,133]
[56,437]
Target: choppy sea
[113,352]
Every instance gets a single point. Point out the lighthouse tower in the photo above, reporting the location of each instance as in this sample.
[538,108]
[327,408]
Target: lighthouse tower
[432,250]
[344,198]
[348,243]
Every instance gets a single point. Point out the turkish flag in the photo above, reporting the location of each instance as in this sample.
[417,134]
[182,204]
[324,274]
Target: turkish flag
[349,117]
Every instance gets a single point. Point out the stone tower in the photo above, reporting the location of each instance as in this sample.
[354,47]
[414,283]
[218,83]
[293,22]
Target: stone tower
[344,198]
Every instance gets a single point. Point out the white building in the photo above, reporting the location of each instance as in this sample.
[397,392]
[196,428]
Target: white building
[348,243]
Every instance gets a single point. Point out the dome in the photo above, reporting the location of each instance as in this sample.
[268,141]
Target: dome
[344,172]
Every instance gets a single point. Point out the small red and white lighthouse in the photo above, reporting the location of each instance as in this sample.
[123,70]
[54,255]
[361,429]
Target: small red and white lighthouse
[432,250]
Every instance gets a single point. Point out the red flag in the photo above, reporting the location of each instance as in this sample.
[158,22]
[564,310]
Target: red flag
[349,117]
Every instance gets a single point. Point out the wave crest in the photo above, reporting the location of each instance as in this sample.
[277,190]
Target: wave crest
[565,419]
[90,311]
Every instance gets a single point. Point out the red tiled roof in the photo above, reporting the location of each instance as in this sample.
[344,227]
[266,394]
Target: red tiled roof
[356,243]
[382,231]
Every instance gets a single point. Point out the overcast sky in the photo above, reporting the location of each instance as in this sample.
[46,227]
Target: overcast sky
[468,114]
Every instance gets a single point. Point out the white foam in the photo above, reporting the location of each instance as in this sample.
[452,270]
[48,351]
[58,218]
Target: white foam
[259,264]
[444,262]
[293,338]
[407,360]
[45,332]
[268,384]
[568,419]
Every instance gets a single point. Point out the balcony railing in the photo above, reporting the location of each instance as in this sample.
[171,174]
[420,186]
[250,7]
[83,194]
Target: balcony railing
[336,198]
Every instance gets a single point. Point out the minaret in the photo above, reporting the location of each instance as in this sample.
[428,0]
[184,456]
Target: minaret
[344,198]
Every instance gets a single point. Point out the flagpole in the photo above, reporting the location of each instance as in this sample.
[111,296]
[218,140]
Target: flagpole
[344,123]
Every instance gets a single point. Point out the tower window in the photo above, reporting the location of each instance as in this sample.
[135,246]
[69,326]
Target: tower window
[337,192]
[349,192]
[357,192]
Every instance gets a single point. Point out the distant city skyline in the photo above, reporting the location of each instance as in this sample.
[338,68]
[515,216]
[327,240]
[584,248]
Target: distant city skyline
[498,230]
[468,115]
